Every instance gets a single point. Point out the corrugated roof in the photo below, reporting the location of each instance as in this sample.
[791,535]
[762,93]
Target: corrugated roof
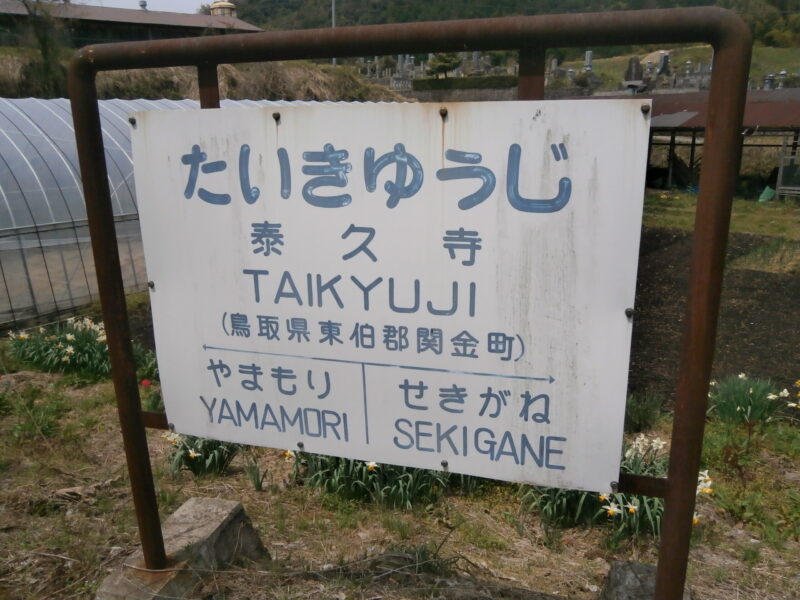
[140,17]
[765,109]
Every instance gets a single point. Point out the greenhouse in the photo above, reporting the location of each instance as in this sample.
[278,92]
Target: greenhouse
[46,265]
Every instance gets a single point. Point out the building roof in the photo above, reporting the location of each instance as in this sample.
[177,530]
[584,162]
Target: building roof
[139,17]
[776,110]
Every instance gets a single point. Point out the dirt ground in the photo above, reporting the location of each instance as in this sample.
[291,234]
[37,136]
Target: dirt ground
[759,320]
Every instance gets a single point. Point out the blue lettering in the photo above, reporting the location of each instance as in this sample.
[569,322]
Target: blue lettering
[445,435]
[240,414]
[550,450]
[397,443]
[268,419]
[366,290]
[309,423]
[398,309]
[488,445]
[507,448]
[225,412]
[209,408]
[286,278]
[286,420]
[328,286]
[421,434]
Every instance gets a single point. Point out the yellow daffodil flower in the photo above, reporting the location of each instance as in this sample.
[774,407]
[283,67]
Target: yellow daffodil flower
[602,498]
[65,359]
[69,350]
[632,508]
[371,466]
[612,509]
[695,519]
[193,454]
[288,455]
[23,336]
[70,337]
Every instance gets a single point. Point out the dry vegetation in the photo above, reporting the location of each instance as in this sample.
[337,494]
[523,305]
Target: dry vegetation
[272,81]
[66,518]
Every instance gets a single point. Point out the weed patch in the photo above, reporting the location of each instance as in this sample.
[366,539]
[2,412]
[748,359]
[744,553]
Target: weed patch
[200,456]
[387,485]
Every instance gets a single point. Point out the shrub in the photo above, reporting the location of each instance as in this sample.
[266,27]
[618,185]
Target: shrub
[389,485]
[77,346]
[743,401]
[641,411]
[200,456]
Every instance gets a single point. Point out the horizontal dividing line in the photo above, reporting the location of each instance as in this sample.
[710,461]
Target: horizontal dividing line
[376,364]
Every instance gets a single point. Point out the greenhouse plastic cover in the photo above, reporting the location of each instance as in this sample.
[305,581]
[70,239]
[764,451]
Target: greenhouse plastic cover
[46,266]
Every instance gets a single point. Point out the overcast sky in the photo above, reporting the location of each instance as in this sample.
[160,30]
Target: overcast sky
[188,6]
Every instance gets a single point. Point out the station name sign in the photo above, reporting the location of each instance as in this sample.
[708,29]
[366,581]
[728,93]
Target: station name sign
[398,283]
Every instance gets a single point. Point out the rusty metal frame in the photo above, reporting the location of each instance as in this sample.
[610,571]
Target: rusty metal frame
[531,35]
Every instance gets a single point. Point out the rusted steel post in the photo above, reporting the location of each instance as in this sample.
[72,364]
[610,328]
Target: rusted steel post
[732,43]
[531,73]
[208,85]
[91,154]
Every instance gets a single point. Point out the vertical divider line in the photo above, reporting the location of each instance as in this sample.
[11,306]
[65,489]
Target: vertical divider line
[364,391]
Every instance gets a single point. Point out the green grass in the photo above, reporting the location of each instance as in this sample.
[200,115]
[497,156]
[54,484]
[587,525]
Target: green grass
[750,479]
[776,256]
[482,538]
[677,210]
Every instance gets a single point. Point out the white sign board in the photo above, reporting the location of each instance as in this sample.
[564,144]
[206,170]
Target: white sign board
[385,283]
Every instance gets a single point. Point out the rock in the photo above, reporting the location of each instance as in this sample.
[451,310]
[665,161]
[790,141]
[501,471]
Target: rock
[632,581]
[202,535]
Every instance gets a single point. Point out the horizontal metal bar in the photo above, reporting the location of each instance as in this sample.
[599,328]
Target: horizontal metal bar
[704,24]
[643,485]
[154,420]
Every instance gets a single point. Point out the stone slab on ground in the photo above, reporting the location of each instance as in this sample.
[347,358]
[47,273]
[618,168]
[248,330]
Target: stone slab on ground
[633,581]
[202,535]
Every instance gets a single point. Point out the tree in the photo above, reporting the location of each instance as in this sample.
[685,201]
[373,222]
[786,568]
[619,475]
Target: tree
[443,63]
[44,75]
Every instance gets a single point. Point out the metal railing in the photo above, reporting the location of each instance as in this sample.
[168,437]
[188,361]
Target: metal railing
[732,44]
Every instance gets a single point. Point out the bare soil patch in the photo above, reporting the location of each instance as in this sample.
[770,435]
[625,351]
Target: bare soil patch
[759,319]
